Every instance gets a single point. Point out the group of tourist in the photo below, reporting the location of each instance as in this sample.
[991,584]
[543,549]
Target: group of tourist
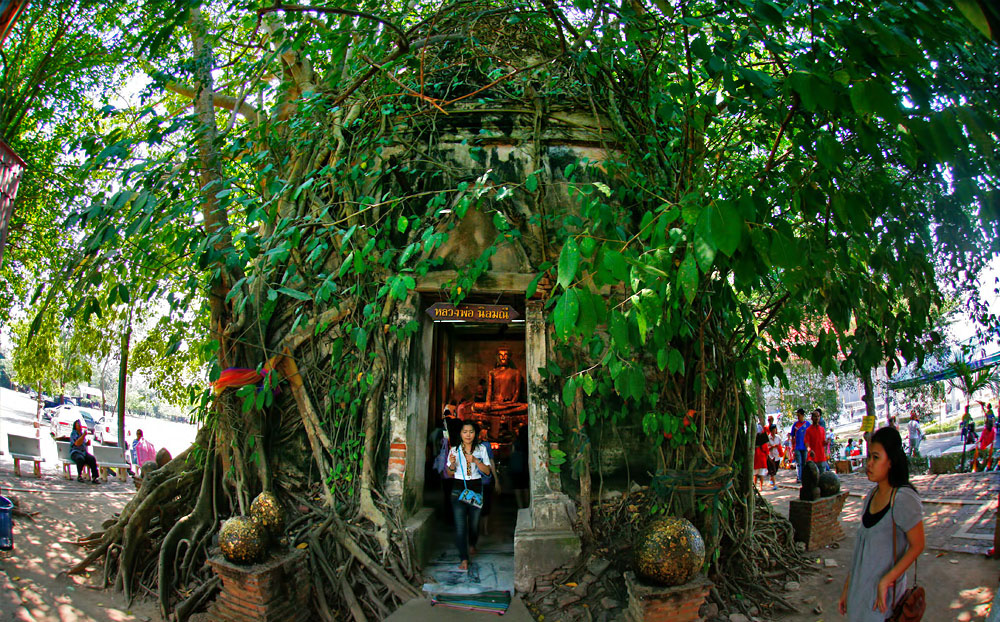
[983,442]
[141,451]
[806,441]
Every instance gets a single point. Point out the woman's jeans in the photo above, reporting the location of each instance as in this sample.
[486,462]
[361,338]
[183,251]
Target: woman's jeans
[800,461]
[87,460]
[466,523]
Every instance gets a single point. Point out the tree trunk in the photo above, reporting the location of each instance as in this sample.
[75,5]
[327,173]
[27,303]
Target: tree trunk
[122,379]
[869,398]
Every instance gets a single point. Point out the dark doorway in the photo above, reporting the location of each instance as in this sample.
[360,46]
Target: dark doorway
[472,381]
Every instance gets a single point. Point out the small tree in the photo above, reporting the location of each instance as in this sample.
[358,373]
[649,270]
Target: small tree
[970,381]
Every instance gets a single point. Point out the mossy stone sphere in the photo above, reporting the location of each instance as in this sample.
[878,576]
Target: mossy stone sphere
[669,551]
[241,540]
[829,484]
[267,512]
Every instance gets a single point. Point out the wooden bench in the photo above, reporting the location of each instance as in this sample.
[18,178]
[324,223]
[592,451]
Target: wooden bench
[110,458]
[62,448]
[25,448]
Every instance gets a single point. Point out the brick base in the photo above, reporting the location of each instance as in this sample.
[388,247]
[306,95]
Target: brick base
[817,523]
[277,590]
[654,603]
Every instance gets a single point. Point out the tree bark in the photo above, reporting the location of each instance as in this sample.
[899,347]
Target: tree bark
[122,380]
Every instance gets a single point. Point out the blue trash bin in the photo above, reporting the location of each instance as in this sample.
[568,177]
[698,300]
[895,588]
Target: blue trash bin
[6,524]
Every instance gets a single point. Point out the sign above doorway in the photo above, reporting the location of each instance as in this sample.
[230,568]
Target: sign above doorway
[478,314]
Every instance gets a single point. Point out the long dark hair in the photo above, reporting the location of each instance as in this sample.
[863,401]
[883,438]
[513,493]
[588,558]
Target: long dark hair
[899,465]
[475,438]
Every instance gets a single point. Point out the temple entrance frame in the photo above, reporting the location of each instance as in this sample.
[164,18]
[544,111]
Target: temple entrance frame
[544,539]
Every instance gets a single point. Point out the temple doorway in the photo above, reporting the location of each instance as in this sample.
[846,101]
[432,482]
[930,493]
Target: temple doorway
[477,374]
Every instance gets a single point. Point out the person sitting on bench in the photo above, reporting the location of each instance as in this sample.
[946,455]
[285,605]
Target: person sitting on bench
[78,442]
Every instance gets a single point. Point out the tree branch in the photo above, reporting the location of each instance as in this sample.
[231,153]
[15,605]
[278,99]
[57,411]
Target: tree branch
[221,101]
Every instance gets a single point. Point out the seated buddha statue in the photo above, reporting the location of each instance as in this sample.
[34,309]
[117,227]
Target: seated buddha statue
[503,389]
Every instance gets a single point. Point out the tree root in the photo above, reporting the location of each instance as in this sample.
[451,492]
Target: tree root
[197,598]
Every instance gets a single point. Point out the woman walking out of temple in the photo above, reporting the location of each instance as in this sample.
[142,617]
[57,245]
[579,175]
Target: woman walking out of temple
[876,580]
[467,463]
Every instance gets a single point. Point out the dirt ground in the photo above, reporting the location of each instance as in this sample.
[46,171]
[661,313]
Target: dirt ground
[33,584]
[960,581]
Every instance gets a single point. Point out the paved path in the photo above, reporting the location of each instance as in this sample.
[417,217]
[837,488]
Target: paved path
[960,581]
[420,610]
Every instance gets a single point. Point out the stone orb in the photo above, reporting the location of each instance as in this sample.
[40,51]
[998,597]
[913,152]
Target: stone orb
[266,512]
[241,540]
[829,484]
[669,551]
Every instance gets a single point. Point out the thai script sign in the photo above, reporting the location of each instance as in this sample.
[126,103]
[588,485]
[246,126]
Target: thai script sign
[478,314]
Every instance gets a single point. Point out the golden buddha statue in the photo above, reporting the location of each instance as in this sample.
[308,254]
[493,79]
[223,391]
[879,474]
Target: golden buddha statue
[503,389]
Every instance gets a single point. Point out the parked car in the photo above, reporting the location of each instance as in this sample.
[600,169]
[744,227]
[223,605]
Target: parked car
[106,431]
[63,416]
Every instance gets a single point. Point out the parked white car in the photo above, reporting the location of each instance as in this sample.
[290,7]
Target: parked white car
[63,416]
[106,431]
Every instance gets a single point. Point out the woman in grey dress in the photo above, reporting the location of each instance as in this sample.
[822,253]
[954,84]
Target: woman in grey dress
[876,581]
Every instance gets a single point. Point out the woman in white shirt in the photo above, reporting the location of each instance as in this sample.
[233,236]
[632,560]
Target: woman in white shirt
[466,464]
[773,454]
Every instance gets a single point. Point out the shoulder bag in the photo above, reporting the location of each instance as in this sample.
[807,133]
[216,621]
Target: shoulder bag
[468,496]
[911,607]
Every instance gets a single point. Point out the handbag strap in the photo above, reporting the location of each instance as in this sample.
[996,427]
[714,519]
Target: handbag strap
[892,515]
[461,453]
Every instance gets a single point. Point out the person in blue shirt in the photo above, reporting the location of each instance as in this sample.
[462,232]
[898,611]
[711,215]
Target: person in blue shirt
[798,433]
[78,452]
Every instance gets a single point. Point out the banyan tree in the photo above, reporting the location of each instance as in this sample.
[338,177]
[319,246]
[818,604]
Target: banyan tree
[666,193]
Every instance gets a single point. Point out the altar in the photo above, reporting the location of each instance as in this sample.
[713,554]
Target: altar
[481,378]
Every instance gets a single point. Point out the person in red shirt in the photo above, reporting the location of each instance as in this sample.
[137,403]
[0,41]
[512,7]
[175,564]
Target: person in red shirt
[985,445]
[760,459]
[816,442]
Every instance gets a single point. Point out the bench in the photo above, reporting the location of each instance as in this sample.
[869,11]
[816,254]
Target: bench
[62,448]
[110,458]
[25,448]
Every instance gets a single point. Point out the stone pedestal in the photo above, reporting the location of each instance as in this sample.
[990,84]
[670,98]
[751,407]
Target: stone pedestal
[817,523]
[419,529]
[654,603]
[543,541]
[276,590]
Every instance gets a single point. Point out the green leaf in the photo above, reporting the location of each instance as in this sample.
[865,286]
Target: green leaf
[304,185]
[569,262]
[360,338]
[402,223]
[569,391]
[587,323]
[704,245]
[531,183]
[615,263]
[726,226]
[294,293]
[618,329]
[687,277]
[650,424]
[675,362]
[533,285]
[566,312]
[589,384]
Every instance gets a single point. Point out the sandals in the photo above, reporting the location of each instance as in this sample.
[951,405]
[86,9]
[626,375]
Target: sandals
[80,479]
[95,481]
